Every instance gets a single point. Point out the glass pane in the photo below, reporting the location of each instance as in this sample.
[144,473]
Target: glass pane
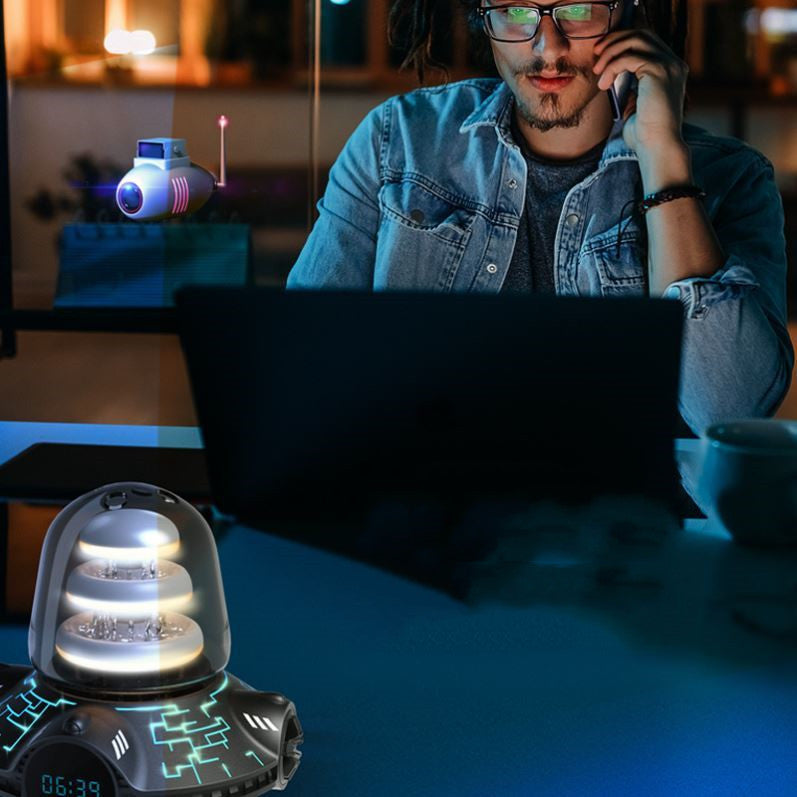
[446,14]
[257,33]
[727,55]
[81,119]
[91,228]
[343,32]
[161,17]
[84,24]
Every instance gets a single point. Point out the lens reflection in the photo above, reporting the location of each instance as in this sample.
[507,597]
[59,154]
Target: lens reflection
[130,197]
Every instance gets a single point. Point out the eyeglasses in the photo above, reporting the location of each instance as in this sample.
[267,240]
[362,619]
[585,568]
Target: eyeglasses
[574,20]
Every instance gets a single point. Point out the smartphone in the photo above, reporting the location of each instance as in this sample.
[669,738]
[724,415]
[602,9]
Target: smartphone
[618,94]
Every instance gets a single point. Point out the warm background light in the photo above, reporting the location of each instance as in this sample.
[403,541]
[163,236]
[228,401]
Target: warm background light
[779,21]
[137,42]
[118,42]
[142,42]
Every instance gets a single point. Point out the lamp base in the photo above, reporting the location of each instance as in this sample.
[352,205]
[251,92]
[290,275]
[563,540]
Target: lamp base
[223,739]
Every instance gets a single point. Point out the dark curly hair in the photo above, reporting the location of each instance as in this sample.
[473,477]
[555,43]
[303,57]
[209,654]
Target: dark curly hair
[411,27]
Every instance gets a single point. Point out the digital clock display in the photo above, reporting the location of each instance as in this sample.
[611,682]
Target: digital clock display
[63,769]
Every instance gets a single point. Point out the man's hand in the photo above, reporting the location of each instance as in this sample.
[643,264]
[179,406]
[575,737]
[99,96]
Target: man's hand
[681,239]
[654,116]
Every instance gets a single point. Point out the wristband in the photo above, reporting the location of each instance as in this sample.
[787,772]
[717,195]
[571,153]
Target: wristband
[668,194]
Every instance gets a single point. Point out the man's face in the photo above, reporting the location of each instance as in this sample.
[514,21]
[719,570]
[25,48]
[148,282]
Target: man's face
[549,54]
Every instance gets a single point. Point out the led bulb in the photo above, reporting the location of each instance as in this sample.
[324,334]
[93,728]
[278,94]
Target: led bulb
[130,536]
[129,597]
[149,588]
[126,599]
[107,644]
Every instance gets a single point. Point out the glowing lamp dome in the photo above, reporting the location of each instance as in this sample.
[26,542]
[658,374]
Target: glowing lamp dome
[129,594]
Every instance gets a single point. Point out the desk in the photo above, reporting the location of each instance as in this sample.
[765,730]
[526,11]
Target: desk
[16,436]
[602,664]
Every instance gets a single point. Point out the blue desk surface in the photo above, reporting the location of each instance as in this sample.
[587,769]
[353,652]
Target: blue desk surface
[16,436]
[589,663]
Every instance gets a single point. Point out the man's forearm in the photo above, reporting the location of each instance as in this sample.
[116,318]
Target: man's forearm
[681,240]
[734,365]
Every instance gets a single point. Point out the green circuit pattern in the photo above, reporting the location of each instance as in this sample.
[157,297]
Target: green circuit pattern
[22,711]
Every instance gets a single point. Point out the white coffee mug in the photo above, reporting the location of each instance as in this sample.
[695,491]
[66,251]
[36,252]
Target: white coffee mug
[748,479]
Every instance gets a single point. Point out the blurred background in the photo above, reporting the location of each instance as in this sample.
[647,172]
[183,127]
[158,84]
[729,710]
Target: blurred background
[87,78]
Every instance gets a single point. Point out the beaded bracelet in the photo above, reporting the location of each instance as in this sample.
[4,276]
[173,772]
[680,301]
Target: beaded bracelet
[666,194]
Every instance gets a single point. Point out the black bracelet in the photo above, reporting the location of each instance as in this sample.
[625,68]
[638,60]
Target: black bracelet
[666,194]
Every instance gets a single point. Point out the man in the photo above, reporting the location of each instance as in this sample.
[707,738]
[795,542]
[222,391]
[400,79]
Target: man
[527,184]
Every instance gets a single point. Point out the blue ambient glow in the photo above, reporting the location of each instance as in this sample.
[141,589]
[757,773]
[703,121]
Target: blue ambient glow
[25,709]
[59,784]
[199,740]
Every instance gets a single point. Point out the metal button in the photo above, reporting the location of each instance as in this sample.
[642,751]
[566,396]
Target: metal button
[512,183]
[492,268]
[417,216]
[572,219]
[115,500]
[673,292]
[76,725]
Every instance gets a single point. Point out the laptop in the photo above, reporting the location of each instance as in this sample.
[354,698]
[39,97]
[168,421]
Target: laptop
[322,406]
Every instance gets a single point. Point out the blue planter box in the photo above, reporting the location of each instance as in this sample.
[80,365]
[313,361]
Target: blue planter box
[141,265]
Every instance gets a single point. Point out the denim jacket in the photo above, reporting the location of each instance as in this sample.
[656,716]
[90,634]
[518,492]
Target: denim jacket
[428,192]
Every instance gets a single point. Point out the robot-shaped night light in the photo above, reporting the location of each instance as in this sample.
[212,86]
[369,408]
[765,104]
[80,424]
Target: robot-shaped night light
[129,640]
[163,182]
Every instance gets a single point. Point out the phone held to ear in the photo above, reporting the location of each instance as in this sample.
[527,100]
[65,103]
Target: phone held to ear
[618,94]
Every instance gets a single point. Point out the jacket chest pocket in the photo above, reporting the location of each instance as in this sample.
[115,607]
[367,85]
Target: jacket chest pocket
[610,269]
[422,238]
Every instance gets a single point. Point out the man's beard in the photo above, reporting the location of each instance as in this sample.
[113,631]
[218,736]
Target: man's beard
[551,120]
[548,101]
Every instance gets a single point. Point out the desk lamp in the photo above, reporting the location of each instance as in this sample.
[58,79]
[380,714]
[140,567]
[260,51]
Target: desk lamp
[129,641]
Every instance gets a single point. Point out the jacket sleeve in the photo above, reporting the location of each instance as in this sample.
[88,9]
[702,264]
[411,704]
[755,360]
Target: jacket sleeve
[737,354]
[340,250]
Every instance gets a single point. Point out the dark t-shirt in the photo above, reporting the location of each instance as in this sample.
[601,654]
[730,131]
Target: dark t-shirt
[548,182]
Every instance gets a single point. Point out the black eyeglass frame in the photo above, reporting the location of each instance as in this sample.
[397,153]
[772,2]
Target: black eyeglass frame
[548,11]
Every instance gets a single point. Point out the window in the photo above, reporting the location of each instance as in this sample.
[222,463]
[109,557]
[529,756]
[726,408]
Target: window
[219,41]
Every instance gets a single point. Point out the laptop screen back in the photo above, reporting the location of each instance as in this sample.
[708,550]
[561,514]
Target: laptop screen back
[320,404]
